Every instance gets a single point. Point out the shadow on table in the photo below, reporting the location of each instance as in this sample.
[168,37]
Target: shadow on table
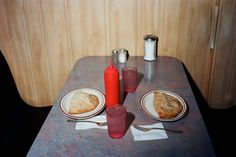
[140,77]
[219,122]
[129,120]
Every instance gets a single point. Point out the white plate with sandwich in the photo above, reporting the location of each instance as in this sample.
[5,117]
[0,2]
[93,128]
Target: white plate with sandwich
[83,103]
[163,105]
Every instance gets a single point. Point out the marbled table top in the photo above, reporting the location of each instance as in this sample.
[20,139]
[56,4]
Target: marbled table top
[58,138]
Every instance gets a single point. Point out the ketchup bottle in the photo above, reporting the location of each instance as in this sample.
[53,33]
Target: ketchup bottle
[111,80]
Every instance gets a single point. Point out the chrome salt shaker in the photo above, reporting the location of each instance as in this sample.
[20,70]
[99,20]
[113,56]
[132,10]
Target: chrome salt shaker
[115,56]
[150,47]
[122,55]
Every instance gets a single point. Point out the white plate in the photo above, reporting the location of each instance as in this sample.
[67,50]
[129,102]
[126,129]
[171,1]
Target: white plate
[148,108]
[65,103]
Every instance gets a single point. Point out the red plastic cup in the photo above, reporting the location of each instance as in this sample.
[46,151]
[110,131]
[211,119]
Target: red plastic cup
[129,75]
[116,119]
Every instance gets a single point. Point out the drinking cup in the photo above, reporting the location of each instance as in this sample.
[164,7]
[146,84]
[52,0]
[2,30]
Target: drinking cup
[116,119]
[129,75]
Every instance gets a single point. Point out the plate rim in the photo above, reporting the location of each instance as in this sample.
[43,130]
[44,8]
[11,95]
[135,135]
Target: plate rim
[179,116]
[84,117]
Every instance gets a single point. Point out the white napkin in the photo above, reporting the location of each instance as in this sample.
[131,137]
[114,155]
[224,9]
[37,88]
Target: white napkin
[149,135]
[86,125]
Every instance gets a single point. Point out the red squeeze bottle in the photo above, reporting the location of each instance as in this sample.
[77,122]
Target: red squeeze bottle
[111,80]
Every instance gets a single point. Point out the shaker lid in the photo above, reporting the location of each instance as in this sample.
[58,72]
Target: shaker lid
[150,37]
[111,69]
[114,51]
[122,51]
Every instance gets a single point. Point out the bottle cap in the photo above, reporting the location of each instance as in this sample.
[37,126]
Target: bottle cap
[111,69]
[150,37]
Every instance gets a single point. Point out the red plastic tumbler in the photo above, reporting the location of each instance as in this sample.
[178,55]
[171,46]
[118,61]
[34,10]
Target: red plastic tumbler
[129,75]
[116,120]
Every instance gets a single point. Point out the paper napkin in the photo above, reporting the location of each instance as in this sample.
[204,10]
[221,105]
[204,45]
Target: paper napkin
[87,125]
[149,135]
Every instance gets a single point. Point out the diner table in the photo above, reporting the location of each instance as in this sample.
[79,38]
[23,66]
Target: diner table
[57,137]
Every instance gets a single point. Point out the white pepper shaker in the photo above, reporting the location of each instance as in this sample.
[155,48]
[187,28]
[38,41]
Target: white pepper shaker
[150,47]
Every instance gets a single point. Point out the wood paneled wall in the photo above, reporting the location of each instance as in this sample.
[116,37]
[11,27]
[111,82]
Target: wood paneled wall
[222,91]
[42,39]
